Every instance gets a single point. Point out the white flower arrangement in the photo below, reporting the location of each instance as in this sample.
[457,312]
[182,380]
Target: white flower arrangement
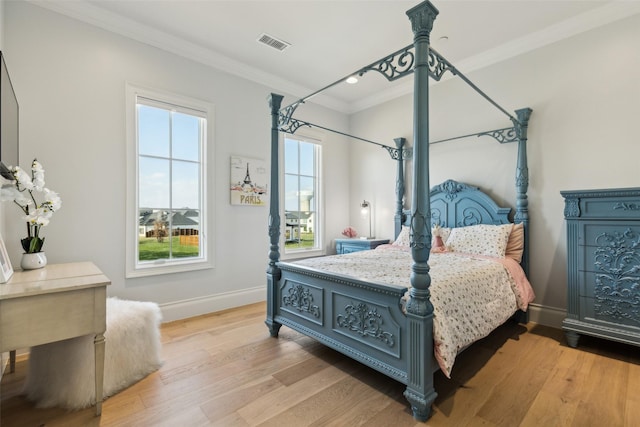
[22,191]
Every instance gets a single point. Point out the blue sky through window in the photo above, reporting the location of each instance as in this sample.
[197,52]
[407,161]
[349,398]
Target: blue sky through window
[169,168]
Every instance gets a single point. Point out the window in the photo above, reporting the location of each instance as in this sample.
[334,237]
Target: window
[302,205]
[166,203]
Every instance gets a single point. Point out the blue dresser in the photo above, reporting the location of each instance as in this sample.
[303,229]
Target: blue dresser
[345,246]
[603,264]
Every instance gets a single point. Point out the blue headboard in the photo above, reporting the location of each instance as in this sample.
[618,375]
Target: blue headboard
[456,204]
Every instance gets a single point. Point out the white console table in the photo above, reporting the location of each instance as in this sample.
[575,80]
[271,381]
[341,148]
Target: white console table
[55,303]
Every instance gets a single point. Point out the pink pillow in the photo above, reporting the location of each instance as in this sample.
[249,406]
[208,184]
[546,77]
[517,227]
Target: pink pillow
[515,245]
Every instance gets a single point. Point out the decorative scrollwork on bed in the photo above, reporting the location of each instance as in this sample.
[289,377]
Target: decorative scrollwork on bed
[395,153]
[365,321]
[285,115]
[451,188]
[400,63]
[522,176]
[301,299]
[470,216]
[438,65]
[420,238]
[436,218]
[394,66]
[503,136]
[292,125]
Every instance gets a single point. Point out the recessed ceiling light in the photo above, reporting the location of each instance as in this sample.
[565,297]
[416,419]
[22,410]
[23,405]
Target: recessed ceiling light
[443,39]
[352,80]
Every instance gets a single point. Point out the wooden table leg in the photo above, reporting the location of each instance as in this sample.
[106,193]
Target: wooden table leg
[99,370]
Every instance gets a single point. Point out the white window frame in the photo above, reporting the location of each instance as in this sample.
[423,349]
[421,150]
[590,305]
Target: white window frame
[134,268]
[313,138]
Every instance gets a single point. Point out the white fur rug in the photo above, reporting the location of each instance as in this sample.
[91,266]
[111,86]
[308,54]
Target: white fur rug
[62,373]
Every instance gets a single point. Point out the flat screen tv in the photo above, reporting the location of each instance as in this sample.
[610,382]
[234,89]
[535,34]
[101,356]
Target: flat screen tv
[8,123]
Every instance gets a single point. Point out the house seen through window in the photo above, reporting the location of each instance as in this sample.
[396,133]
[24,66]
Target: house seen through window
[170,199]
[302,228]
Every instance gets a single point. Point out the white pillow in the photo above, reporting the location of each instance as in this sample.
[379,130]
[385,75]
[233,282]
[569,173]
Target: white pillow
[481,239]
[403,237]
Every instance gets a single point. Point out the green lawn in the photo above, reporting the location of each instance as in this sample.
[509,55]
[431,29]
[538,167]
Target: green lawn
[150,249]
[306,241]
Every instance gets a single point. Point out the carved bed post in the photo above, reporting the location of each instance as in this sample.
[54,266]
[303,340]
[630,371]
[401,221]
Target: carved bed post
[420,391]
[399,185]
[522,181]
[273,272]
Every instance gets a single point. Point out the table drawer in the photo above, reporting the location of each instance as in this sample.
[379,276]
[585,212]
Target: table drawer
[45,318]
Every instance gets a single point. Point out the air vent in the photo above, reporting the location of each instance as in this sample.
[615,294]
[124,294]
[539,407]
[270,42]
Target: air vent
[273,42]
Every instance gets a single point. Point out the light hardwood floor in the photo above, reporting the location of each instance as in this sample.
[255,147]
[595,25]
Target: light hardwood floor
[223,369]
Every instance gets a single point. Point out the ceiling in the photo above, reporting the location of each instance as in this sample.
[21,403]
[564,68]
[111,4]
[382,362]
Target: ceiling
[330,39]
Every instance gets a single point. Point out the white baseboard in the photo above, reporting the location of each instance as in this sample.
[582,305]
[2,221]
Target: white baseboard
[211,303]
[548,316]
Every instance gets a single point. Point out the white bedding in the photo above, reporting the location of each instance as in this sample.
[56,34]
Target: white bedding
[471,294]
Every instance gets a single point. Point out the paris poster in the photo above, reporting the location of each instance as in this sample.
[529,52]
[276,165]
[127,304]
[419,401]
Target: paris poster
[248,181]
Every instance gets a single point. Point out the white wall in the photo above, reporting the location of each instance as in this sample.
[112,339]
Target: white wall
[70,80]
[2,24]
[585,96]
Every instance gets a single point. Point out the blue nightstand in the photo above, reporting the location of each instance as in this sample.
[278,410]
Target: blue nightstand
[345,246]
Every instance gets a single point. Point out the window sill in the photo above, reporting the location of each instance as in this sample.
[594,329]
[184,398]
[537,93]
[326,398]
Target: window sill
[311,253]
[153,269]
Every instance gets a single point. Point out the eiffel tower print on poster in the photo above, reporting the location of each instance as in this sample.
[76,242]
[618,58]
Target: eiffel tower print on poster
[248,181]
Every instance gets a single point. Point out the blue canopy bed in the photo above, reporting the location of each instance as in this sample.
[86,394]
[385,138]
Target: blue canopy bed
[386,320]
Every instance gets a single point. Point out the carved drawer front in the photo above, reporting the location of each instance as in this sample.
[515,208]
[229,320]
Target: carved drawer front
[610,272]
[611,310]
[303,300]
[614,234]
[609,246]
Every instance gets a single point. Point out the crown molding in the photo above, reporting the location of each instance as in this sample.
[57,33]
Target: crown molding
[86,12]
[578,24]
[93,15]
